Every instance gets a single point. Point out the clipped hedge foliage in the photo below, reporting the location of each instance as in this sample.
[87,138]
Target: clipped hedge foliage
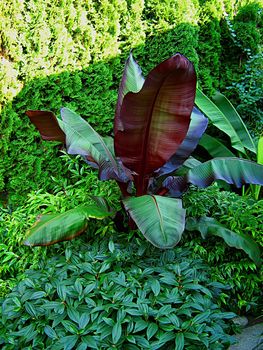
[68,53]
[105,296]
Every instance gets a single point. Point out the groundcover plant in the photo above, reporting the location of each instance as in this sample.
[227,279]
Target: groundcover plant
[156,129]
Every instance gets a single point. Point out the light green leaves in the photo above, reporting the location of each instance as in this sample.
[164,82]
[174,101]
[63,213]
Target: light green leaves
[160,219]
[53,228]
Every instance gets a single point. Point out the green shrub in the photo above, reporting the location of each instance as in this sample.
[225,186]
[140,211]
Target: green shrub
[115,296]
[243,215]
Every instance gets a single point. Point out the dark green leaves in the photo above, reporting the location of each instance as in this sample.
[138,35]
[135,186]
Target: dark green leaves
[160,219]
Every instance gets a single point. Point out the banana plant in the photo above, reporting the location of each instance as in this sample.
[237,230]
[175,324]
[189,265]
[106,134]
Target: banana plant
[156,129]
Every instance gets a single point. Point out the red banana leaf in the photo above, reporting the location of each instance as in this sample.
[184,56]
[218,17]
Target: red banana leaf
[155,121]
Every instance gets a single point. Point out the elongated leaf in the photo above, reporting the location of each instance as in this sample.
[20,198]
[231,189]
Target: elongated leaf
[156,119]
[132,81]
[53,228]
[260,151]
[209,226]
[223,115]
[214,147]
[82,139]
[160,219]
[196,129]
[234,171]
[47,124]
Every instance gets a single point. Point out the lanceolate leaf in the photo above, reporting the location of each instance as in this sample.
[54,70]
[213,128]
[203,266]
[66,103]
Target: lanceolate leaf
[209,226]
[196,129]
[47,124]
[160,219]
[82,139]
[260,151]
[214,147]
[224,117]
[156,119]
[53,228]
[234,171]
[132,81]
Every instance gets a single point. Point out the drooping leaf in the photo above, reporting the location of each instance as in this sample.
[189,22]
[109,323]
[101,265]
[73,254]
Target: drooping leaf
[210,227]
[223,115]
[214,147]
[154,121]
[160,219]
[47,124]
[234,171]
[196,129]
[132,81]
[53,228]
[82,139]
[176,185]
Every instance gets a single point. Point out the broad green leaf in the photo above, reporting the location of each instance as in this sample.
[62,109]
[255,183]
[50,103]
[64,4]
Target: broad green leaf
[50,332]
[69,341]
[151,330]
[179,341]
[116,332]
[223,115]
[155,286]
[215,147]
[53,228]
[209,226]
[160,219]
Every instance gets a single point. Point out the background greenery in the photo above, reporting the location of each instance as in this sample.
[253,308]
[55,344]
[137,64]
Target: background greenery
[71,53]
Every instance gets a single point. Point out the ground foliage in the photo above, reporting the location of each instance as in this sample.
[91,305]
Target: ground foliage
[69,53]
[107,295]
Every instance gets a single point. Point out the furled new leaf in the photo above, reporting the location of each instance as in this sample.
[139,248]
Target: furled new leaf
[210,227]
[132,81]
[223,115]
[196,129]
[155,121]
[53,228]
[160,219]
[47,124]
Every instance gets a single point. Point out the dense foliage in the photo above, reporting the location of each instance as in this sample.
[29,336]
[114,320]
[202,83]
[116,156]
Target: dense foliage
[71,53]
[105,296]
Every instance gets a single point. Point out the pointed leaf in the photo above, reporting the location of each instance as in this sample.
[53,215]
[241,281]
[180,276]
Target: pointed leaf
[179,341]
[196,129]
[47,124]
[116,332]
[132,81]
[209,226]
[160,219]
[82,139]
[156,119]
[223,115]
[53,228]
[214,147]
[234,171]
[260,151]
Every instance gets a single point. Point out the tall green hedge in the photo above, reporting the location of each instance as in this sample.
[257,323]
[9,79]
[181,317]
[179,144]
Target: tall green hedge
[71,53]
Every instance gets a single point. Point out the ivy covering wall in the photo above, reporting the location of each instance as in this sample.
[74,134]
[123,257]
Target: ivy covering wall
[71,53]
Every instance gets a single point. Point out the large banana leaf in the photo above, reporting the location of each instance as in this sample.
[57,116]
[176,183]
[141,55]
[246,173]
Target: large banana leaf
[53,228]
[132,81]
[160,219]
[223,115]
[210,227]
[82,139]
[155,121]
[234,171]
[214,147]
[47,124]
[196,129]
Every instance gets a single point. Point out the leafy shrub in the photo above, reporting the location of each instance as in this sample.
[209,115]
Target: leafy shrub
[244,215]
[115,296]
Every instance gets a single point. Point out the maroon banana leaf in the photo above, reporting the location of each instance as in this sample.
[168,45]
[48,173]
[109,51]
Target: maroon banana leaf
[47,124]
[154,122]
[198,125]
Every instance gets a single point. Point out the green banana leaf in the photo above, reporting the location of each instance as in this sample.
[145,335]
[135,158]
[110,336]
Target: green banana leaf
[214,147]
[53,228]
[210,227]
[160,219]
[223,115]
